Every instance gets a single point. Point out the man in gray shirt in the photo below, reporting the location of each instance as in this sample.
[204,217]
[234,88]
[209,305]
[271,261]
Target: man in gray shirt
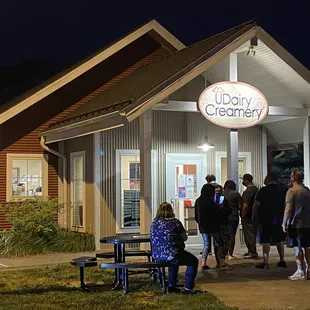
[297,222]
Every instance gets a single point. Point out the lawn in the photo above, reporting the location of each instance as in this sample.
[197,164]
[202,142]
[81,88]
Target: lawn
[57,287]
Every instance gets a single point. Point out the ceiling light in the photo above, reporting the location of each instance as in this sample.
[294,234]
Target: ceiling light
[205,145]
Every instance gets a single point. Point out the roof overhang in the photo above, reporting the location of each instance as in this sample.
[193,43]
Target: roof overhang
[158,30]
[83,128]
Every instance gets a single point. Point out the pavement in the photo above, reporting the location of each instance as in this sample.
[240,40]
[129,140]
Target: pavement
[244,287]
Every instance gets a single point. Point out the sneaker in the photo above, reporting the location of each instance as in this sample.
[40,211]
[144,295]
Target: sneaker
[191,292]
[206,267]
[251,256]
[298,275]
[282,264]
[225,267]
[172,289]
[262,265]
[246,254]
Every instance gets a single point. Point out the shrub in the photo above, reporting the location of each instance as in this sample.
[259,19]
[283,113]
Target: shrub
[35,230]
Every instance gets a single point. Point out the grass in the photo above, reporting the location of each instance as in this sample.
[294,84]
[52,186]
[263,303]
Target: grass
[57,287]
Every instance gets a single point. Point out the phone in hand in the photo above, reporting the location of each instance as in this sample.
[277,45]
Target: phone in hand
[221,200]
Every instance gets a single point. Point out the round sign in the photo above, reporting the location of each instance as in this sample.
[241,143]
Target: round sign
[233,105]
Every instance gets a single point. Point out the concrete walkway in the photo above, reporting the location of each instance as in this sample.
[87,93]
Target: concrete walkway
[244,287]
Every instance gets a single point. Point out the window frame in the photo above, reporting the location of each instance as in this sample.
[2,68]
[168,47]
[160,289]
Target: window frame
[9,173]
[119,207]
[72,156]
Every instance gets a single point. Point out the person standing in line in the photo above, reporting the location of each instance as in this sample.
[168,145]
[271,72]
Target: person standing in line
[249,228]
[225,212]
[207,215]
[268,213]
[297,222]
[234,200]
[211,179]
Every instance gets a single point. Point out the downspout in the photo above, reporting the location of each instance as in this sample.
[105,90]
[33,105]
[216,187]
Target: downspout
[64,177]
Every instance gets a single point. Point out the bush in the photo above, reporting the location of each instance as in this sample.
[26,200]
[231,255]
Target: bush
[35,230]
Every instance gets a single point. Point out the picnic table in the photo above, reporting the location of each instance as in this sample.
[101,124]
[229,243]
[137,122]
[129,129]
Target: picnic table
[119,243]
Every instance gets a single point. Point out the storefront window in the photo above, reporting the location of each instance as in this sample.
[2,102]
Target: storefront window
[26,176]
[130,191]
[78,188]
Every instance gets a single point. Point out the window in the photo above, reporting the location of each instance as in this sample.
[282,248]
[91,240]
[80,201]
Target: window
[26,176]
[128,190]
[77,168]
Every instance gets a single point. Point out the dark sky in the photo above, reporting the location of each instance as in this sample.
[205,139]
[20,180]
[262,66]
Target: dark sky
[63,31]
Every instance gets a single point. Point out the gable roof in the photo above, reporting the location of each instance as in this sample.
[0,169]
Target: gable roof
[157,31]
[147,86]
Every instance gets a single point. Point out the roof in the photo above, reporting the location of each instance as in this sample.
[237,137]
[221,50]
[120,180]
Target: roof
[149,85]
[12,108]
[148,78]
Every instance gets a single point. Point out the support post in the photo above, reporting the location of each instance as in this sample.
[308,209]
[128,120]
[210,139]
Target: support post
[97,184]
[145,128]
[232,156]
[231,74]
[307,152]
[264,152]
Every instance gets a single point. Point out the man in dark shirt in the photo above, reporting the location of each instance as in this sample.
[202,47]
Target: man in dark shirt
[268,212]
[249,228]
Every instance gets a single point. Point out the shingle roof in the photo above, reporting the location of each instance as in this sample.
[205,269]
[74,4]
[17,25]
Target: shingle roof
[144,81]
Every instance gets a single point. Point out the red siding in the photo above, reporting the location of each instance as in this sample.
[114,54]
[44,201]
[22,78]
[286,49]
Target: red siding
[20,134]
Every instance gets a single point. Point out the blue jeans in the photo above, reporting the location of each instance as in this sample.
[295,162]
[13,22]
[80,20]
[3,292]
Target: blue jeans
[189,260]
[206,245]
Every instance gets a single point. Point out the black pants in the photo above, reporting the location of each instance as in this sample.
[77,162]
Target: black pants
[210,244]
[232,226]
[250,233]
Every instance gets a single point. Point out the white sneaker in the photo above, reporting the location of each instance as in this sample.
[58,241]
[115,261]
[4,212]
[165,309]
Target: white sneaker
[298,275]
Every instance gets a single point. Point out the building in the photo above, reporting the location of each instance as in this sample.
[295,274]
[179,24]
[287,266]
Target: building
[118,133]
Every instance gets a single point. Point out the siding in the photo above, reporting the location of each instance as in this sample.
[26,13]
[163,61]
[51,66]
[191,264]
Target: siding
[20,134]
[173,132]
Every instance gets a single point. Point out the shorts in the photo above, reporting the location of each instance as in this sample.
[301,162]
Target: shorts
[271,233]
[299,237]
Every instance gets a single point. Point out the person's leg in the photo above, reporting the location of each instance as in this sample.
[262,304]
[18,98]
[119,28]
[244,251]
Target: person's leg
[173,276]
[204,257]
[191,261]
[216,254]
[218,238]
[210,244]
[266,250]
[307,256]
[226,238]
[233,226]
[280,248]
[245,230]
[251,233]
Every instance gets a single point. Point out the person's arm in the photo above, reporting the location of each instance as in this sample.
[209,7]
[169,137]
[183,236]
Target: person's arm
[182,232]
[245,205]
[256,206]
[288,209]
[240,201]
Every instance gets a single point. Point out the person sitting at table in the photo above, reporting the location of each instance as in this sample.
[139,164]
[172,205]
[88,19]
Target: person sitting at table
[167,241]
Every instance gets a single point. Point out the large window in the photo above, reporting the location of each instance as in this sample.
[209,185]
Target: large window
[77,168]
[26,176]
[128,190]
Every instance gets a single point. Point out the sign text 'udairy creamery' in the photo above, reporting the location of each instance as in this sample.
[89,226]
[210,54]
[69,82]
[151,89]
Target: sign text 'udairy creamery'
[233,105]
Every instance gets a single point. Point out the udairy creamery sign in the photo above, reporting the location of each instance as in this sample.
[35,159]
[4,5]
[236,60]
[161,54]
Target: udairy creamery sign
[233,105]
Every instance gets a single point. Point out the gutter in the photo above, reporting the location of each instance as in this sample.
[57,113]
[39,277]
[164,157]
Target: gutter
[64,176]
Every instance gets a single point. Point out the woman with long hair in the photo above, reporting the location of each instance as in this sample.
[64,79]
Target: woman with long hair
[167,240]
[235,202]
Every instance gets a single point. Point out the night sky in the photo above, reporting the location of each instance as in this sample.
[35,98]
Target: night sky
[64,31]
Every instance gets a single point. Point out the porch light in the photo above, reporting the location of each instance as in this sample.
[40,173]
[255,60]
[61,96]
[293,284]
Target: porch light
[205,145]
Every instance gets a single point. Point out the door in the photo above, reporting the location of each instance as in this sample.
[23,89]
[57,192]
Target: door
[185,174]
[244,166]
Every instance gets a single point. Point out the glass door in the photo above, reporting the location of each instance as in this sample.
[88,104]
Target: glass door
[185,175]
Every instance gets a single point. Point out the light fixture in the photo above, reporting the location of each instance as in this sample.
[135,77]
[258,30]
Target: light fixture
[251,51]
[205,145]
